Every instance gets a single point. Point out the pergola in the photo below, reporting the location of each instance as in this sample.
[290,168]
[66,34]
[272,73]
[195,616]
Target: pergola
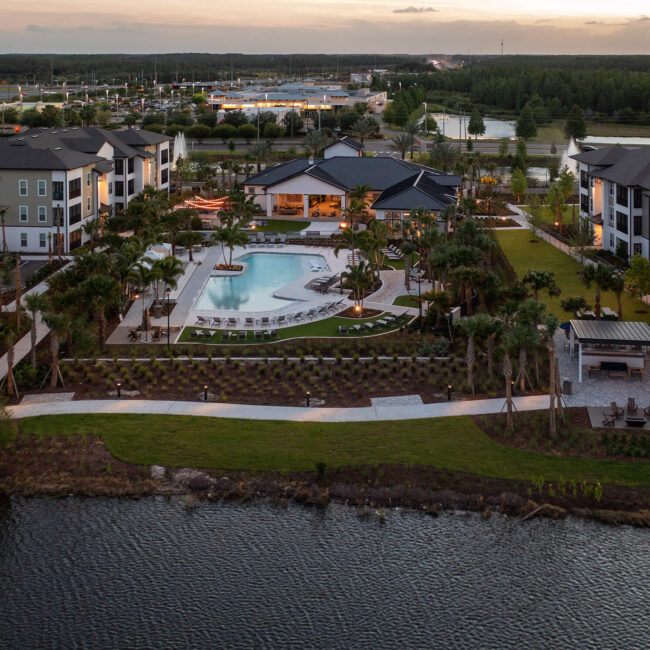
[605,339]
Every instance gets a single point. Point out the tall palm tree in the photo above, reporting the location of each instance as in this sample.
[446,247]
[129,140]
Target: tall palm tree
[189,239]
[260,152]
[93,229]
[551,326]
[315,141]
[98,293]
[34,302]
[401,142]
[362,128]
[8,337]
[443,155]
[358,280]
[171,268]
[59,324]
[352,239]
[508,345]
[407,249]
[412,129]
[440,301]
[601,277]
[617,285]
[229,237]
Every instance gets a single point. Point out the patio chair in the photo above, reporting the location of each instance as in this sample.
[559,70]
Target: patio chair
[282,320]
[242,335]
[631,405]
[370,326]
[134,335]
[155,335]
[233,322]
[609,419]
[273,334]
[216,321]
[265,321]
[311,313]
[343,330]
[299,315]
[616,410]
[196,334]
[226,336]
[200,320]
[248,322]
[258,335]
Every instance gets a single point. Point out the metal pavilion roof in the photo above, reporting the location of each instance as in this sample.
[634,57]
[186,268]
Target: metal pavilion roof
[611,331]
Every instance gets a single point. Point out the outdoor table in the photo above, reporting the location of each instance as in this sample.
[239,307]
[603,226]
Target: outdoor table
[635,421]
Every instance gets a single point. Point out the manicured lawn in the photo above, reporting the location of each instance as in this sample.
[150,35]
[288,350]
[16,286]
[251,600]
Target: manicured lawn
[320,328]
[551,133]
[405,301]
[622,130]
[281,225]
[453,443]
[548,216]
[524,256]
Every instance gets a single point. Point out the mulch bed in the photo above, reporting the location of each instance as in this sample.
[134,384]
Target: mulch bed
[363,313]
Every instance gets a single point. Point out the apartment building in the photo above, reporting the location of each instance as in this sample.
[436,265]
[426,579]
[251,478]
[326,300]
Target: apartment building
[614,188]
[55,180]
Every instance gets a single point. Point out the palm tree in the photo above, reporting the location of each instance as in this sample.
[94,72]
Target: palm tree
[189,239]
[440,301]
[601,277]
[617,285]
[402,143]
[407,249]
[539,280]
[59,325]
[229,237]
[98,292]
[412,129]
[8,337]
[315,141]
[551,324]
[171,268]
[34,302]
[358,280]
[375,243]
[260,151]
[443,155]
[352,239]
[469,327]
[508,344]
[362,128]
[450,214]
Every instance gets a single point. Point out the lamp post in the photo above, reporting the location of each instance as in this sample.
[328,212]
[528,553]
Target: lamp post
[205,392]
[419,275]
[426,130]
[449,392]
[118,385]
[167,292]
[307,398]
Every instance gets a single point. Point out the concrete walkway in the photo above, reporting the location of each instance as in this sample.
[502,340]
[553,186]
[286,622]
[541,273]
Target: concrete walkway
[286,413]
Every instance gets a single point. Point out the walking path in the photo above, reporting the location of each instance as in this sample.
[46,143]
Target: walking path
[287,413]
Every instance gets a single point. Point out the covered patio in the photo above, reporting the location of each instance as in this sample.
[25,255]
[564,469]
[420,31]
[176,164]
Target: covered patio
[617,348]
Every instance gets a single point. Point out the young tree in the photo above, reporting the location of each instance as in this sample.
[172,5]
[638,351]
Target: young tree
[518,184]
[637,277]
[526,126]
[555,202]
[476,124]
[292,123]
[575,126]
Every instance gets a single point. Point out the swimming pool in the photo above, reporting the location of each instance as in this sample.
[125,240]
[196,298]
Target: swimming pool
[253,290]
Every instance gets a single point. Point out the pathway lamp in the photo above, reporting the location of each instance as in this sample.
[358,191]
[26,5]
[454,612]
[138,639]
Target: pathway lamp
[449,389]
[205,392]
[118,385]
[307,398]
[418,273]
[167,294]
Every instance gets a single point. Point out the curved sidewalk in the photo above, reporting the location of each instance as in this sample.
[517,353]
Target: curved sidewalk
[287,413]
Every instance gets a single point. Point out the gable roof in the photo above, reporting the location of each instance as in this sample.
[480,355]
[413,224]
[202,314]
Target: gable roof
[418,191]
[278,173]
[19,155]
[631,170]
[347,141]
[602,156]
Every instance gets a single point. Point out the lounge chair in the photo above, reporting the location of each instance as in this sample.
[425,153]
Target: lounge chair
[343,330]
[226,336]
[631,405]
[216,321]
[196,334]
[273,334]
[311,313]
[609,419]
[258,335]
[242,335]
[298,315]
[200,320]
[616,410]
[282,320]
[248,322]
[265,321]
[233,322]
[370,326]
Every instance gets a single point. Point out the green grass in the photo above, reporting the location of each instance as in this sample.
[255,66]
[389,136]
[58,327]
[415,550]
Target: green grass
[318,329]
[452,443]
[524,256]
[621,130]
[548,216]
[281,225]
[551,133]
[405,301]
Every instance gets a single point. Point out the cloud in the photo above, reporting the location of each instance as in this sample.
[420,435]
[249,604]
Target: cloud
[414,10]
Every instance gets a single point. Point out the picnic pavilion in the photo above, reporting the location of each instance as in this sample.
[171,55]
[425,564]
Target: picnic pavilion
[615,347]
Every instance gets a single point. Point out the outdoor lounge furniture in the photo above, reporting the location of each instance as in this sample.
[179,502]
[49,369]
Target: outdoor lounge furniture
[265,321]
[282,320]
[631,405]
[635,421]
[298,315]
[134,335]
[609,419]
[258,335]
[232,322]
[614,369]
[200,320]
[616,410]
[248,322]
[343,330]
[242,335]
[226,336]
[216,321]
[271,333]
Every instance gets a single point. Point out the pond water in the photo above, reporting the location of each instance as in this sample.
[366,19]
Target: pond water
[455,126]
[99,573]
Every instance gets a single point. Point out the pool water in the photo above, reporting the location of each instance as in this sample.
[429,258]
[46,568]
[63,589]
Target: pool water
[253,290]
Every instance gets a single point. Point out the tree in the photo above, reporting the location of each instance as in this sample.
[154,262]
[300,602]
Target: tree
[51,115]
[503,147]
[637,277]
[539,280]
[440,301]
[260,152]
[508,344]
[363,128]
[98,292]
[401,114]
[292,123]
[443,155]
[35,302]
[225,132]
[601,277]
[315,141]
[551,325]
[575,126]
[518,184]
[8,337]
[189,239]
[468,327]
[199,132]
[352,239]
[59,325]
[209,119]
[170,268]
[520,159]
[555,201]
[617,286]
[247,131]
[566,183]
[358,279]
[402,143]
[229,237]
[476,124]
[235,118]
[357,210]
[526,126]
[272,131]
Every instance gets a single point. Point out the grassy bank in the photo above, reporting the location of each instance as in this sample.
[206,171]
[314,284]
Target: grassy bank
[525,255]
[453,443]
[282,225]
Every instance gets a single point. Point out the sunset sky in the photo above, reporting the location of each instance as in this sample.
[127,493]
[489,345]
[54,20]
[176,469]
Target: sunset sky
[327,26]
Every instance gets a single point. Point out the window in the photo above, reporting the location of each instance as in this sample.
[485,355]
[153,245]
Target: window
[23,212]
[637,249]
[87,179]
[612,189]
[584,203]
[22,188]
[42,213]
[611,241]
[42,239]
[42,188]
[75,239]
[164,156]
[611,215]
[131,187]
[74,214]
[88,204]
[164,176]
[119,166]
[131,165]
[637,227]
[110,188]
[23,239]
[638,198]
[621,195]
[57,190]
[74,188]
[584,179]
[621,222]
[119,188]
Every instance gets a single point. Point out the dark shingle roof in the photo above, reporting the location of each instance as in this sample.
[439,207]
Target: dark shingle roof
[349,141]
[140,137]
[418,191]
[631,170]
[279,173]
[602,156]
[18,155]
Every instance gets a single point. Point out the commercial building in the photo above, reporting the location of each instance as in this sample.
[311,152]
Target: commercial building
[53,181]
[614,188]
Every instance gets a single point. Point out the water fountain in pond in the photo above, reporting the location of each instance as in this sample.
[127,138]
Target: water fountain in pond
[180,148]
[571,150]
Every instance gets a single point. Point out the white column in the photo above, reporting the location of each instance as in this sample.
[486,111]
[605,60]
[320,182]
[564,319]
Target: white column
[269,205]
[344,204]
[580,362]
[305,205]
[572,341]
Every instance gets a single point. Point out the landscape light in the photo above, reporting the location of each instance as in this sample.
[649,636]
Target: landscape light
[449,392]
[119,388]
[205,392]
[343,225]
[307,398]
[357,308]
